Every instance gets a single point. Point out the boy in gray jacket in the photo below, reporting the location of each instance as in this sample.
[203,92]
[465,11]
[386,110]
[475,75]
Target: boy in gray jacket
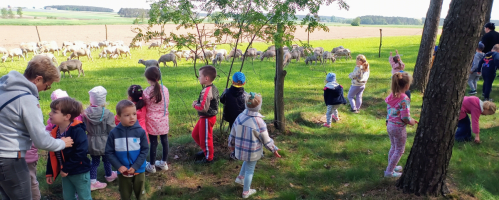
[474,75]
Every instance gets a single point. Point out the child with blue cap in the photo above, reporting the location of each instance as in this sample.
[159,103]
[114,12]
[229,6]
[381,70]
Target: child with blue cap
[234,100]
[333,97]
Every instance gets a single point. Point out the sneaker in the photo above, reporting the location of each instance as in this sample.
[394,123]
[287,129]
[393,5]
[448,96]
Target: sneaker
[249,193]
[204,161]
[472,92]
[393,175]
[199,155]
[352,110]
[239,181]
[398,169]
[150,168]
[97,186]
[335,119]
[161,164]
[233,155]
[326,125]
[113,176]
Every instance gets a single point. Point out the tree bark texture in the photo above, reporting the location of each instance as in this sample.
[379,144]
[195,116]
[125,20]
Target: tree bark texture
[280,74]
[426,167]
[430,31]
[487,16]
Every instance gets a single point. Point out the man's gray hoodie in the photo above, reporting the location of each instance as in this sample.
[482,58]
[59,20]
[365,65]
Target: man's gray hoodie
[21,121]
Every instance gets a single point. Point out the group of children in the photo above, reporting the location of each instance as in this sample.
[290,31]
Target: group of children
[123,140]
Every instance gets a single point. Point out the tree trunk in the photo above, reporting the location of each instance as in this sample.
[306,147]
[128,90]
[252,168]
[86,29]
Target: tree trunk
[426,168]
[430,31]
[280,74]
[487,16]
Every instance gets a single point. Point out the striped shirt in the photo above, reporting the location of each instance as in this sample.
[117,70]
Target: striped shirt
[248,135]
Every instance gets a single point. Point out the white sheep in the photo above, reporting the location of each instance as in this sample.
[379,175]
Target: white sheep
[29,47]
[336,49]
[79,43]
[107,51]
[12,53]
[168,58]
[235,54]
[296,54]
[71,48]
[49,48]
[258,53]
[169,45]
[154,44]
[4,58]
[136,45]
[66,43]
[103,44]
[149,63]
[81,52]
[343,52]
[251,52]
[318,51]
[218,59]
[41,43]
[328,56]
[267,54]
[93,45]
[3,51]
[286,58]
[120,50]
[70,65]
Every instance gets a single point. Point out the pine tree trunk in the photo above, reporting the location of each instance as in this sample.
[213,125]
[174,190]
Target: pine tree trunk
[426,168]
[280,74]
[430,31]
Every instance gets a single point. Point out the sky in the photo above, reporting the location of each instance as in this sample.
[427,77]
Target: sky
[399,8]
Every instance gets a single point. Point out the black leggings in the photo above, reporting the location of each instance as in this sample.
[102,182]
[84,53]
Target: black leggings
[154,146]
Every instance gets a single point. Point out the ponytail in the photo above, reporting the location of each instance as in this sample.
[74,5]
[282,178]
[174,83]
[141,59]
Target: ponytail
[400,80]
[397,60]
[135,93]
[365,65]
[153,74]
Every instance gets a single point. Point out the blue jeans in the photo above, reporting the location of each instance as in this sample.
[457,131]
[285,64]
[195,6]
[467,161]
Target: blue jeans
[78,183]
[15,181]
[247,171]
[463,132]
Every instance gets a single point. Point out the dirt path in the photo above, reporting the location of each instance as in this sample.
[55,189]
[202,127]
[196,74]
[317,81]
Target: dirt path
[12,36]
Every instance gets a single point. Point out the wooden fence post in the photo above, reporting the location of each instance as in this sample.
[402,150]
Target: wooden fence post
[380,42]
[39,39]
[106,31]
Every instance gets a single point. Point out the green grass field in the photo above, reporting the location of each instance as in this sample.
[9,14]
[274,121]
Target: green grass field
[67,18]
[344,162]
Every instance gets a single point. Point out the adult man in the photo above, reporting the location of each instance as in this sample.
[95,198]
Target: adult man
[490,38]
[21,123]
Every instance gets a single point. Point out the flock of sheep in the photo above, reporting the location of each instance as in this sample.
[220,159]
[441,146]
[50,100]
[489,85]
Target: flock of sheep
[116,49]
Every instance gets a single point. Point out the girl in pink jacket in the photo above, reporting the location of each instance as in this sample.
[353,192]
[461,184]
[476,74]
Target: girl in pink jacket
[157,99]
[474,106]
[396,62]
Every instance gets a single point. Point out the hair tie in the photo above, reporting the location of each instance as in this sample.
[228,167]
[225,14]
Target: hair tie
[252,95]
[140,97]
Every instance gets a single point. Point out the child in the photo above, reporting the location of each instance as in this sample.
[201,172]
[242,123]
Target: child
[56,94]
[233,100]
[99,121]
[396,62]
[359,78]
[157,100]
[474,75]
[472,105]
[247,137]
[207,107]
[126,149]
[398,117]
[333,97]
[488,67]
[72,163]
[135,95]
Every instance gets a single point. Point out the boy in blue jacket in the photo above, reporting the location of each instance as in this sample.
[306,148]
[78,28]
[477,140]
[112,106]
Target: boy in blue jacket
[72,163]
[127,149]
[488,66]
[333,97]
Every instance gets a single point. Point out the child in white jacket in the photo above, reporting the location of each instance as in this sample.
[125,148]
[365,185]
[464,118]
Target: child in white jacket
[359,78]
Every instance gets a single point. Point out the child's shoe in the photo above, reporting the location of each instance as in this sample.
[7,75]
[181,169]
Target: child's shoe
[199,155]
[393,175]
[326,125]
[233,155]
[240,180]
[248,193]
[335,119]
[113,176]
[472,92]
[150,168]
[161,164]
[97,186]
[398,169]
[204,161]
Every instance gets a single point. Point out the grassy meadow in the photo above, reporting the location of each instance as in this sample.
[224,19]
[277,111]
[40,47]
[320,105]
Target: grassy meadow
[344,162]
[63,17]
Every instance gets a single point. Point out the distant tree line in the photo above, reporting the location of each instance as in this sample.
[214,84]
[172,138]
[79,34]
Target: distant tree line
[380,20]
[134,12]
[80,8]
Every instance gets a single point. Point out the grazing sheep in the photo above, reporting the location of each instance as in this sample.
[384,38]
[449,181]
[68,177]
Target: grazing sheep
[117,43]
[208,54]
[71,48]
[3,51]
[102,54]
[114,56]
[71,65]
[251,52]
[198,56]
[154,44]
[286,58]
[296,54]
[218,59]
[79,43]
[4,58]
[319,51]
[41,43]
[223,51]
[343,52]
[49,48]
[120,50]
[272,48]
[236,54]
[93,45]
[66,43]
[258,53]
[179,55]
[328,56]
[29,47]
[168,58]
[81,52]
[103,44]
[149,63]
[267,54]
[50,56]
[336,49]
[107,51]
[136,45]
[169,44]
[14,52]
[310,59]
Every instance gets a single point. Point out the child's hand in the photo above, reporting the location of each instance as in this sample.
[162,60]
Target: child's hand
[122,169]
[50,180]
[397,51]
[131,171]
[64,174]
[277,154]
[413,122]
[194,103]
[390,53]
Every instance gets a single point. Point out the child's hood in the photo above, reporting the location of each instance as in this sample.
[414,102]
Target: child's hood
[96,115]
[331,85]
[393,101]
